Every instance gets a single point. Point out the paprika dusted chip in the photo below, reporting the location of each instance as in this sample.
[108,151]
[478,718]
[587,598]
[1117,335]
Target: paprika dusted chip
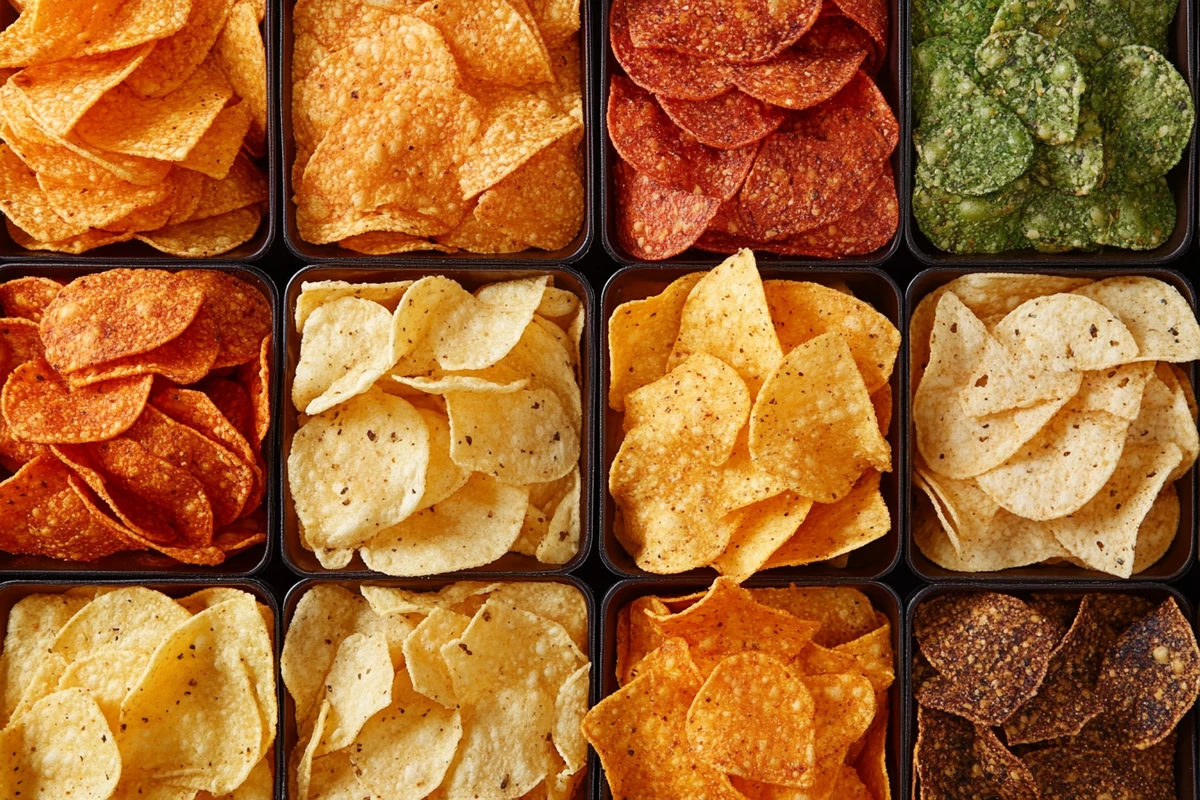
[797,79]
[27,298]
[727,122]
[40,407]
[667,73]
[720,30]
[656,221]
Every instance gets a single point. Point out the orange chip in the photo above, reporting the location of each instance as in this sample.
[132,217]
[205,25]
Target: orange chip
[40,406]
[185,359]
[14,453]
[241,314]
[240,54]
[256,380]
[72,244]
[832,529]
[43,516]
[25,203]
[27,298]
[245,185]
[19,342]
[176,57]
[213,155]
[382,243]
[205,238]
[234,404]
[641,637]
[61,92]
[107,315]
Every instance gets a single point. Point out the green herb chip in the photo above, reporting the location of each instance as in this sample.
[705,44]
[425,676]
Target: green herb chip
[1039,82]
[1143,216]
[963,224]
[1076,167]
[971,145]
[1055,222]
[942,70]
[967,19]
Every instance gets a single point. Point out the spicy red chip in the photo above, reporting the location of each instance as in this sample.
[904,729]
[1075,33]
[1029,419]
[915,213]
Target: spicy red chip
[736,31]
[727,122]
[862,231]
[665,72]
[656,221]
[799,80]
[646,138]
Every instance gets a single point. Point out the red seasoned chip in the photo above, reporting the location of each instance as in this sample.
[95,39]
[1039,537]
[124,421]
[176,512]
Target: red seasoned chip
[14,453]
[665,72]
[799,182]
[858,106]
[646,138]
[185,359]
[27,298]
[733,120]
[726,243]
[656,221]
[835,33]
[20,341]
[233,402]
[797,79]
[864,230]
[241,313]
[256,380]
[736,31]
[40,407]
[872,15]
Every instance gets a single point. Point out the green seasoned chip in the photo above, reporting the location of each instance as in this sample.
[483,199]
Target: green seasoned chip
[963,224]
[971,145]
[1093,28]
[1147,111]
[1150,19]
[942,70]
[1039,82]
[1055,222]
[967,19]
[1143,216]
[1043,17]
[1075,167]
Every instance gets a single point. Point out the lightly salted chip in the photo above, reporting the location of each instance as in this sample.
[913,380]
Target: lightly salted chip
[344,349]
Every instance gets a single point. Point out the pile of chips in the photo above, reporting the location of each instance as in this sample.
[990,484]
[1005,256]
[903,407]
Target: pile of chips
[1046,124]
[133,120]
[135,404]
[473,692]
[754,422]
[1052,420]
[1051,696]
[127,693]
[445,125]
[439,429]
[749,693]
[751,124]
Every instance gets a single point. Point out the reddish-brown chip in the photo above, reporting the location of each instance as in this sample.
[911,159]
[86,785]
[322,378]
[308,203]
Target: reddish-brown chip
[872,15]
[665,72]
[727,122]
[797,79]
[243,533]
[241,313]
[718,242]
[20,341]
[735,31]
[233,402]
[27,298]
[185,359]
[864,230]
[835,33]
[255,378]
[43,516]
[645,137]
[858,105]
[116,313]
[1070,772]
[14,453]
[41,407]
[226,479]
[799,182]
[654,221]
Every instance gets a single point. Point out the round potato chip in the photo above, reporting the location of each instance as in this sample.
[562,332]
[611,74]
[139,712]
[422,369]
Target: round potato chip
[62,748]
[344,348]
[40,407]
[1068,332]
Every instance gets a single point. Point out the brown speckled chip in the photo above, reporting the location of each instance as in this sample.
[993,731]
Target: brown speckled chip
[1078,772]
[1119,611]
[1067,699]
[991,652]
[956,760]
[1151,676]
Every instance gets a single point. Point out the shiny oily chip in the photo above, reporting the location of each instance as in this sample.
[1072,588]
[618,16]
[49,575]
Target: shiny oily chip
[358,469]
[636,731]
[726,315]
[1160,320]
[62,747]
[427,670]
[193,676]
[833,529]
[1151,676]
[1058,471]
[641,335]
[344,348]
[813,423]
[482,330]
[405,750]
[520,437]
[474,526]
[801,310]
[359,683]
[755,719]
[1068,332]
[952,442]
[40,406]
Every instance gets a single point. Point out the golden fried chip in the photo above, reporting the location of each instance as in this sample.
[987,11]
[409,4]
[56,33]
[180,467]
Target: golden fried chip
[176,57]
[26,204]
[1160,320]
[33,623]
[244,186]
[541,202]
[214,153]
[760,530]
[521,437]
[241,56]
[1164,417]
[383,243]
[205,238]
[61,747]
[833,529]
[496,40]
[358,684]
[344,348]
[61,92]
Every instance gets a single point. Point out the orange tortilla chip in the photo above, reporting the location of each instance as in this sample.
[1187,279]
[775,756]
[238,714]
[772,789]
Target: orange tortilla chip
[185,359]
[176,57]
[205,238]
[214,154]
[27,298]
[40,407]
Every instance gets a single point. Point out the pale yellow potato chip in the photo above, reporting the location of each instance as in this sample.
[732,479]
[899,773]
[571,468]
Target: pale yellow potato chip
[1007,378]
[33,624]
[745,480]
[131,618]
[42,683]
[801,310]
[1067,332]
[307,748]
[358,469]
[1164,417]
[520,437]
[570,706]
[557,302]
[214,154]
[447,384]
[831,529]
[418,311]
[325,615]
[1056,472]
[564,528]
[1157,532]
[198,673]
[107,676]
[1103,533]
[759,531]
[332,777]
[427,669]
[557,602]
[474,526]
[965,509]
[641,334]
[61,92]
[359,683]
[1117,390]
[443,477]
[502,641]
[61,748]
[1185,383]
[813,423]
[533,531]
[494,40]
[479,332]
[405,750]
[726,316]
[952,442]
[1161,321]
[314,294]
[344,348]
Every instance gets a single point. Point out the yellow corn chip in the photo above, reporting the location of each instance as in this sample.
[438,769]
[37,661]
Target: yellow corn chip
[205,238]
[214,154]
[62,92]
